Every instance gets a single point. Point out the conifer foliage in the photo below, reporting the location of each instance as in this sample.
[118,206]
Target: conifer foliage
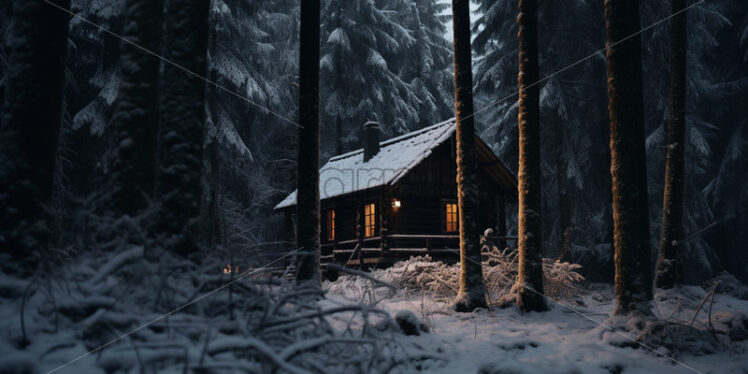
[368,71]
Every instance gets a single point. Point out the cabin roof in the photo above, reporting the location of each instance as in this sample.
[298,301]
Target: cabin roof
[348,173]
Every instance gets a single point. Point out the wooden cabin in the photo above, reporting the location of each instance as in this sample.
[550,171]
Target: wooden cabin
[398,198]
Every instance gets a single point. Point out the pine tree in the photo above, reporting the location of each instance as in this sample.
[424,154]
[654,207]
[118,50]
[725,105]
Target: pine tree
[669,262]
[427,66]
[307,198]
[472,291]
[30,125]
[530,268]
[628,165]
[181,125]
[358,71]
[135,119]
[255,54]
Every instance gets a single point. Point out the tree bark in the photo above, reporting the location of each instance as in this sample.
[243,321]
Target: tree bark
[307,199]
[670,262]
[530,269]
[31,118]
[501,219]
[182,120]
[628,164]
[472,291]
[211,230]
[564,205]
[135,117]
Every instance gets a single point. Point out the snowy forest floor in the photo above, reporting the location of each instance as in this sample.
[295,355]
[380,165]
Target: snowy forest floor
[186,320]
[559,341]
[573,337]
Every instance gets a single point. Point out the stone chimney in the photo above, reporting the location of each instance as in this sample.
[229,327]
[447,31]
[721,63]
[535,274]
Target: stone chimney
[371,140]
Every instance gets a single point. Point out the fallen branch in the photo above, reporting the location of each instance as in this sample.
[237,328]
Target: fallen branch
[230,344]
[114,264]
[361,274]
[313,314]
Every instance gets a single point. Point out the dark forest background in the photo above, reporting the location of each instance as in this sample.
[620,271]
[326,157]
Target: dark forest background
[391,61]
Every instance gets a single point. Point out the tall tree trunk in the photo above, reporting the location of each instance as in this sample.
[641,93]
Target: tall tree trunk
[307,198]
[135,117]
[530,270]
[628,165]
[564,205]
[501,219]
[472,291]
[31,117]
[670,260]
[182,119]
[211,229]
[338,84]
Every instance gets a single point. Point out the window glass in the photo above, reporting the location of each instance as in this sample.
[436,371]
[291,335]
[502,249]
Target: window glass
[370,221]
[450,217]
[331,224]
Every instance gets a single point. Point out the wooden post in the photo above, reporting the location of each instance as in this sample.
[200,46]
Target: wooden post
[360,232]
[384,222]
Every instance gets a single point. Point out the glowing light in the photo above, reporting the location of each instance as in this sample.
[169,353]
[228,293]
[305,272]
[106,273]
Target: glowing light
[227,269]
[396,203]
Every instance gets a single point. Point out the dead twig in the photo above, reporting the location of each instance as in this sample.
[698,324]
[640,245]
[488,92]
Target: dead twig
[702,303]
[711,301]
[675,310]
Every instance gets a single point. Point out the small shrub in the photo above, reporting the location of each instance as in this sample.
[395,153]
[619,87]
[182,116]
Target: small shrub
[499,274]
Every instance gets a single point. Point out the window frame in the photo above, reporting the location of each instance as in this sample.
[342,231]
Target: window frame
[367,216]
[445,222]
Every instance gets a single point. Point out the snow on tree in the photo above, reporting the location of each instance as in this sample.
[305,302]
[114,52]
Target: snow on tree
[358,75]
[427,65]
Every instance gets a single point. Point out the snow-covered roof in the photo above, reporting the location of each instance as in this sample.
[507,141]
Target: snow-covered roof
[348,172]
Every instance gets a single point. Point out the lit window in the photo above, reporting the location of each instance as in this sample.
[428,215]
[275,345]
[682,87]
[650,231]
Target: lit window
[370,220]
[331,224]
[450,217]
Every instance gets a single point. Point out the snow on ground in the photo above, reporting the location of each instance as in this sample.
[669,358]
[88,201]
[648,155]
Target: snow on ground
[279,327]
[559,341]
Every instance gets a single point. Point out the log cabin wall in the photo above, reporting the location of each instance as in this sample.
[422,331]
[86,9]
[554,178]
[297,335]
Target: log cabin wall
[349,223]
[422,192]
